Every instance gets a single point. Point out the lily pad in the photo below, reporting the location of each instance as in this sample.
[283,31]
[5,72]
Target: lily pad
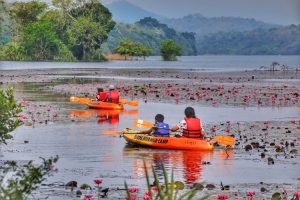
[179,185]
[198,186]
[276,196]
[85,186]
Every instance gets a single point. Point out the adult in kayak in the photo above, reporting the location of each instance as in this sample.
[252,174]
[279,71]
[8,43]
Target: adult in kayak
[112,95]
[101,96]
[160,129]
[190,126]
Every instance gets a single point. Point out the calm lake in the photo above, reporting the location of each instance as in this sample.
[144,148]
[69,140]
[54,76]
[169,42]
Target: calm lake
[86,154]
[206,63]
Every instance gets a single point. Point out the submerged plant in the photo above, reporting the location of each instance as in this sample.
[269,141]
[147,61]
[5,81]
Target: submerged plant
[167,191]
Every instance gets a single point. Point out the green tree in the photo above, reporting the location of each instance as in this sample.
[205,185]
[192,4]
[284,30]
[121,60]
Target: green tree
[12,51]
[85,36]
[129,48]
[41,43]
[26,12]
[89,28]
[169,50]
[9,108]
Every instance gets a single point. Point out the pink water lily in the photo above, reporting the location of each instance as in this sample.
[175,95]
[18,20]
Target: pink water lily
[250,194]
[133,190]
[154,188]
[88,197]
[223,196]
[297,194]
[98,181]
[146,197]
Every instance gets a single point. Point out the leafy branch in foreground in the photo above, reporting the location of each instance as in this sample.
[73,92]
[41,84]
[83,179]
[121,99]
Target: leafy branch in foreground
[18,181]
[9,108]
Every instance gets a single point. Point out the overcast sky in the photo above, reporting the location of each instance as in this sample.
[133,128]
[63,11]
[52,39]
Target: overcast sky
[274,11]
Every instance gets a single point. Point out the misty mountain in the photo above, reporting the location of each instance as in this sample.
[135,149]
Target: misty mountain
[126,12]
[275,41]
[150,32]
[202,25]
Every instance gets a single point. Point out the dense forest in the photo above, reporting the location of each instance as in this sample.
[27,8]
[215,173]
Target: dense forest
[150,32]
[64,31]
[275,41]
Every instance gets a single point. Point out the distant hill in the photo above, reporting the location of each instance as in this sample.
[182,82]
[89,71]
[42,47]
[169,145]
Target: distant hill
[126,12]
[275,41]
[150,32]
[202,25]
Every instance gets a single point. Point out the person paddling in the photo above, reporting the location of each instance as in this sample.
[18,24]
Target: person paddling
[160,129]
[190,126]
[101,96]
[112,95]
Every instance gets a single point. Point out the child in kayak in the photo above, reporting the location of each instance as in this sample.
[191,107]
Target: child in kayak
[160,129]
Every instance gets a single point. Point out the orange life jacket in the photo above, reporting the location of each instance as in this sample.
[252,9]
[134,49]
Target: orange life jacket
[193,128]
[113,96]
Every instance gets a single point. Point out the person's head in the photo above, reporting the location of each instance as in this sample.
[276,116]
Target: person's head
[189,112]
[100,89]
[111,87]
[159,118]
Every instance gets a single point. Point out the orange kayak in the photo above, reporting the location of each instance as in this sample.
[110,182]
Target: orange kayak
[133,136]
[105,105]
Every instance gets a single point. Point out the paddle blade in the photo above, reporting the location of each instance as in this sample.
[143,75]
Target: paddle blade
[127,102]
[74,99]
[225,140]
[142,123]
[107,132]
[80,100]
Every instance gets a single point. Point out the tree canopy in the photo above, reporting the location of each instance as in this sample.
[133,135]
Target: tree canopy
[169,50]
[129,48]
[68,30]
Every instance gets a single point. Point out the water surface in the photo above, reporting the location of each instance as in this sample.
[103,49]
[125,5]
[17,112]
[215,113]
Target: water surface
[206,63]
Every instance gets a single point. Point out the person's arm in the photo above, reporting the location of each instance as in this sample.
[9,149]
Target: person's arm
[174,128]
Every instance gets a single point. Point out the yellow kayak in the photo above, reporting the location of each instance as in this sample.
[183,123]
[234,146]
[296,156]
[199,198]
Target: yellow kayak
[134,137]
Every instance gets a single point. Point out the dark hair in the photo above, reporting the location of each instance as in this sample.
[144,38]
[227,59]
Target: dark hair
[100,89]
[189,112]
[159,118]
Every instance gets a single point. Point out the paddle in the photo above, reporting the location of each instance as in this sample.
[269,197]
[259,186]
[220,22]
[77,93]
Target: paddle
[222,139]
[80,100]
[127,102]
[107,132]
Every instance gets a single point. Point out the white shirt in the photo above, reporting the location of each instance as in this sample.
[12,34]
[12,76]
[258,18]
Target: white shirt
[182,125]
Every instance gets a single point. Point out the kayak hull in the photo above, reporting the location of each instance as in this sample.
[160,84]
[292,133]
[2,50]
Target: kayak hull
[105,105]
[133,136]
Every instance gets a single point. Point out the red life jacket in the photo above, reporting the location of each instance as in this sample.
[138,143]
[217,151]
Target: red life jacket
[102,96]
[114,96]
[193,128]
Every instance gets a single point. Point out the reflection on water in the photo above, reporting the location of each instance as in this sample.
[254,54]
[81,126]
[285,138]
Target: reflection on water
[103,116]
[187,165]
